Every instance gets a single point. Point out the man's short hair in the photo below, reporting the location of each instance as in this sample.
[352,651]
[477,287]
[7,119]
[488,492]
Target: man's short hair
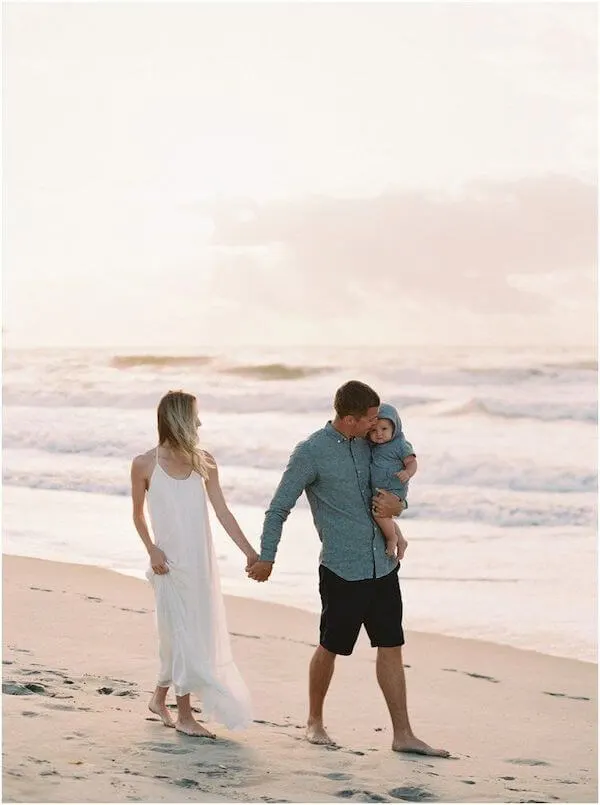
[354,399]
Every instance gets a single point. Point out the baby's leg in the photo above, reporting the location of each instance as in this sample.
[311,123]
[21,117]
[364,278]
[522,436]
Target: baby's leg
[388,529]
[402,541]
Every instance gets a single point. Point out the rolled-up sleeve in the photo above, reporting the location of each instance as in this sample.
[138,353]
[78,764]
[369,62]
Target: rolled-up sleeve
[299,473]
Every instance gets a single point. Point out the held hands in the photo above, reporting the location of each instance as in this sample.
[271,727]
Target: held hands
[385,504]
[158,560]
[260,571]
[251,559]
[403,476]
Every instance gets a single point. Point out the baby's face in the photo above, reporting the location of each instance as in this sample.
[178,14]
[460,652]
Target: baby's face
[382,432]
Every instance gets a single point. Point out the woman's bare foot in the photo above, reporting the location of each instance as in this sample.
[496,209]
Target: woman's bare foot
[191,727]
[160,709]
[414,746]
[315,734]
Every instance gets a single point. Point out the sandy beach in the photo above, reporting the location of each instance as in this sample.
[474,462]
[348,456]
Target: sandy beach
[79,664]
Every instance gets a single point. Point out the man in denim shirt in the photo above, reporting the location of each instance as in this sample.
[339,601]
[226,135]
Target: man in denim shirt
[358,582]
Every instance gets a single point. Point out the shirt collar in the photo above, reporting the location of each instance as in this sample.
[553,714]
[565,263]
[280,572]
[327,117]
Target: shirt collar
[335,434]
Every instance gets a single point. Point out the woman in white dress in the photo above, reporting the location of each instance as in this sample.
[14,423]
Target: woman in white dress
[195,654]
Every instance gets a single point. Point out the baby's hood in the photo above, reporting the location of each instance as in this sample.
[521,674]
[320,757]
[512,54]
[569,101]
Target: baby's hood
[387,411]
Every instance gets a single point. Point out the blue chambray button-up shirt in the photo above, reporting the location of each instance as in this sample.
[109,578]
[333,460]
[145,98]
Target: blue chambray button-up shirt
[334,471]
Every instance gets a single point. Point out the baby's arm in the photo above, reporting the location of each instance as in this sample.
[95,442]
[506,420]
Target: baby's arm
[410,468]
[409,461]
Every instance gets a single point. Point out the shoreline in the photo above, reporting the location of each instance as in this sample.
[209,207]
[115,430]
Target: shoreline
[496,708]
[419,634]
[441,594]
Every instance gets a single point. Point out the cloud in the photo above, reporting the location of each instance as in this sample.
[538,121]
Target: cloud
[460,252]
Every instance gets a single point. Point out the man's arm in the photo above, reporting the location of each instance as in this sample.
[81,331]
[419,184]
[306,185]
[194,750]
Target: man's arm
[299,473]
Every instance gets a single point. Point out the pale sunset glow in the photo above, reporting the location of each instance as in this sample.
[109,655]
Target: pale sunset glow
[300,360]
[233,166]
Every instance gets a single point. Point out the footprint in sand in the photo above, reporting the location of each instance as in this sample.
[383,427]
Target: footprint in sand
[365,796]
[12,689]
[528,762]
[566,696]
[186,782]
[481,676]
[106,691]
[167,749]
[41,589]
[473,674]
[337,775]
[412,794]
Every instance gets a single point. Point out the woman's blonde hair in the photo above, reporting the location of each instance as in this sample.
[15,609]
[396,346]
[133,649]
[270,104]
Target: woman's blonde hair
[177,428]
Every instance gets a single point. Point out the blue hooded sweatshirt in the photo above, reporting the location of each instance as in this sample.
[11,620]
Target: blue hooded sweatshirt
[388,459]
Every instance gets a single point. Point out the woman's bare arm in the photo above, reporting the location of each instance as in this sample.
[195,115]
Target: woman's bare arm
[139,481]
[224,516]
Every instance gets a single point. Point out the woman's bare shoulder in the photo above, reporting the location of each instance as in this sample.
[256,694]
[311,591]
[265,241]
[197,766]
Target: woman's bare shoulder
[144,462]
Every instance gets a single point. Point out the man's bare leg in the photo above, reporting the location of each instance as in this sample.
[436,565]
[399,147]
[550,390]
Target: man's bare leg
[158,706]
[319,677]
[390,675]
[186,722]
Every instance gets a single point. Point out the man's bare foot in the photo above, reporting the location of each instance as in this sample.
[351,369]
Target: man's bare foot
[315,734]
[191,727]
[160,709]
[413,746]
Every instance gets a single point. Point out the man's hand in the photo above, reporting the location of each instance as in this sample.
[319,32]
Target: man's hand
[385,504]
[403,476]
[158,560]
[251,559]
[260,571]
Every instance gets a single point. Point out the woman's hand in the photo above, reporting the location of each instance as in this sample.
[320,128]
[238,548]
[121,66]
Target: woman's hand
[158,560]
[251,559]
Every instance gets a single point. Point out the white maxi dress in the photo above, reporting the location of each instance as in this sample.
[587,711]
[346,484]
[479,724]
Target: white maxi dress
[194,647]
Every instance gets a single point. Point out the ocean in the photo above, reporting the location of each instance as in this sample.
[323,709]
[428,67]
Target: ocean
[502,513]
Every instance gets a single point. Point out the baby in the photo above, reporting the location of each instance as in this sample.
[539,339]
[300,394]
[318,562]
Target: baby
[390,452]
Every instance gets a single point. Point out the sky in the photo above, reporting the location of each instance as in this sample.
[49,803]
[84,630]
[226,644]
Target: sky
[180,174]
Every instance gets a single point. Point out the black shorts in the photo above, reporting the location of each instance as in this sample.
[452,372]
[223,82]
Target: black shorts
[348,605]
